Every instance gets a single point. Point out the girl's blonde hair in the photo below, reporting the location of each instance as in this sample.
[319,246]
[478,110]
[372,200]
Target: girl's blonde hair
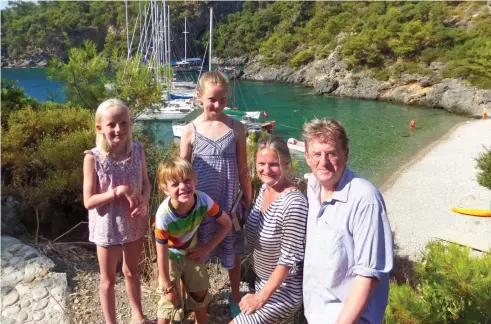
[213,77]
[100,139]
[174,169]
[278,145]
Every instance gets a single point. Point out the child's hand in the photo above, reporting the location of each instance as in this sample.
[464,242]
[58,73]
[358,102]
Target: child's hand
[139,211]
[134,199]
[173,297]
[198,253]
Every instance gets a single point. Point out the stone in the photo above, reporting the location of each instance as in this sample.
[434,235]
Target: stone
[37,316]
[5,320]
[8,270]
[22,316]
[23,289]
[42,272]
[29,279]
[14,260]
[15,247]
[57,308]
[39,293]
[11,312]
[11,298]
[40,305]
[31,269]
[25,303]
[12,278]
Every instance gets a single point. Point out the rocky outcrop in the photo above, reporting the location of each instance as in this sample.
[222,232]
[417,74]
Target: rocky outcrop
[333,77]
[31,292]
[30,61]
[234,61]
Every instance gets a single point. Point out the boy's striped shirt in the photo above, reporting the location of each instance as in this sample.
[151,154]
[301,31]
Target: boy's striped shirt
[180,232]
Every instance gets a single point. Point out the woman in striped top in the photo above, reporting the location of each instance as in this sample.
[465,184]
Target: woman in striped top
[275,231]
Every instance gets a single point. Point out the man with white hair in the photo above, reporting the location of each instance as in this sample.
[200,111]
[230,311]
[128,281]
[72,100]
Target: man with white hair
[349,251]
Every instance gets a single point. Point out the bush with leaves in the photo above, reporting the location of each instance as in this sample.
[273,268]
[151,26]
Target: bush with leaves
[484,166]
[42,154]
[454,287]
[91,78]
[13,99]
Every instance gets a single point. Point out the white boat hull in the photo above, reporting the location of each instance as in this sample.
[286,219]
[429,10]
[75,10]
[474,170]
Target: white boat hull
[177,130]
[162,116]
[295,145]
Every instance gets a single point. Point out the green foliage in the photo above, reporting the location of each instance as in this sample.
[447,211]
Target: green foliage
[302,58]
[376,35]
[90,79]
[42,157]
[472,61]
[13,99]
[84,75]
[454,288]
[484,166]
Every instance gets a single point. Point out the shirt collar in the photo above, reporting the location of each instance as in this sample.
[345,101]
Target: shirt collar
[342,188]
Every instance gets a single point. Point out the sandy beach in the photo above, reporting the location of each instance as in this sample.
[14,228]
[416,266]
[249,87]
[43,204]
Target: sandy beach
[443,176]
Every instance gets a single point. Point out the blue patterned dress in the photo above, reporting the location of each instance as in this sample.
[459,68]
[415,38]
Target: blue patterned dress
[215,162]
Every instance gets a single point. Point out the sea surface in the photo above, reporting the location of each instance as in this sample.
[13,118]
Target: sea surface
[380,139]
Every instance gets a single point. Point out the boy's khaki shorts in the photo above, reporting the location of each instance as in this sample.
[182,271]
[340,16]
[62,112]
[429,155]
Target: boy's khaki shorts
[194,275]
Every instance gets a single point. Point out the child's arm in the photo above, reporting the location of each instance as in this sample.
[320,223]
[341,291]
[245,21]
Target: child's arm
[164,278]
[92,199]
[142,209]
[244,178]
[199,252]
[186,147]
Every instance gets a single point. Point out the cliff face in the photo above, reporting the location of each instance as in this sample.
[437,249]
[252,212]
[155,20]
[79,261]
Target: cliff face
[333,77]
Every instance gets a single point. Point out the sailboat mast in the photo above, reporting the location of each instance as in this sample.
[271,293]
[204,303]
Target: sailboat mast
[211,36]
[168,35]
[185,39]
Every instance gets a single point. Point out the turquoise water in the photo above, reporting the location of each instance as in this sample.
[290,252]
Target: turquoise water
[380,140]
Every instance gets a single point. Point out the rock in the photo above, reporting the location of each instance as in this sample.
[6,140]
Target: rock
[25,303]
[40,305]
[5,320]
[42,272]
[11,312]
[39,293]
[11,298]
[21,317]
[325,85]
[29,279]
[11,221]
[37,316]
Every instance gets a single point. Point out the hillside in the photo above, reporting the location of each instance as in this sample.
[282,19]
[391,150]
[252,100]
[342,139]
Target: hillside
[386,38]
[34,32]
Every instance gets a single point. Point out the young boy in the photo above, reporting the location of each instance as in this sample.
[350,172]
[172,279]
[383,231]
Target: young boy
[178,255]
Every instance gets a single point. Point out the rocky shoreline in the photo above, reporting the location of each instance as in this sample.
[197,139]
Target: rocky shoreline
[332,76]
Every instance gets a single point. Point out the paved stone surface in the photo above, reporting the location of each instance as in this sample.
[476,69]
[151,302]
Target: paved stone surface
[30,292]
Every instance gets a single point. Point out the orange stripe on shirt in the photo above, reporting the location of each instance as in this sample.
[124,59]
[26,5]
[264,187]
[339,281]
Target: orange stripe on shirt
[161,234]
[213,211]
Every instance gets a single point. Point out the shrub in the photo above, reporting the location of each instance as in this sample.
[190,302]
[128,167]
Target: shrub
[13,99]
[302,58]
[42,154]
[454,287]
[484,165]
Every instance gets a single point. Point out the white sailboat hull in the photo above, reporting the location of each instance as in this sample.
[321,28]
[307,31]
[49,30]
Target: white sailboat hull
[295,145]
[177,130]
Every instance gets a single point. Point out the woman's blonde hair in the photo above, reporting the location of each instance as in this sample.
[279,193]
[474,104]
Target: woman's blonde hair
[174,169]
[213,77]
[324,130]
[278,145]
[100,139]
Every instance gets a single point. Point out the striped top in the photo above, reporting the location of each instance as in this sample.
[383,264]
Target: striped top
[215,163]
[180,231]
[277,236]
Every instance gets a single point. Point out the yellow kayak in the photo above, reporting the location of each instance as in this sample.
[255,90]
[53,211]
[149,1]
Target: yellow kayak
[472,212]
